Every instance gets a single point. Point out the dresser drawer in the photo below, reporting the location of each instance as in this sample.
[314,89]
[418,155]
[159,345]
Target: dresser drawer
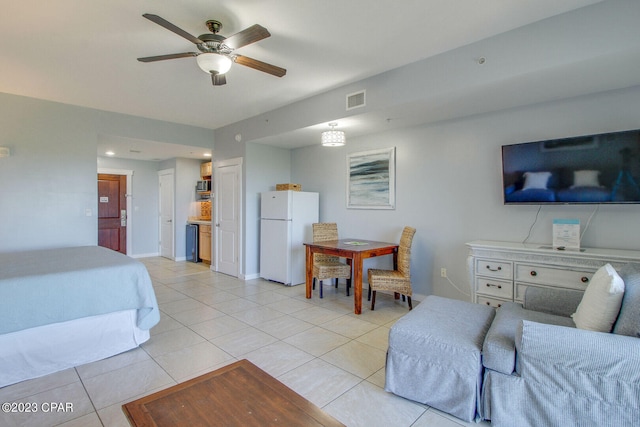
[552,276]
[494,268]
[496,288]
[492,302]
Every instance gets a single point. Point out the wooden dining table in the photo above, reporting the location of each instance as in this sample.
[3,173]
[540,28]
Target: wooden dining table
[355,251]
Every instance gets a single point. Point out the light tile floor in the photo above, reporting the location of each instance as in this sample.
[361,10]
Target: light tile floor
[317,347]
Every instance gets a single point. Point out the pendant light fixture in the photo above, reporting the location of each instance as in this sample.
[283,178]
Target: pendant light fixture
[333,138]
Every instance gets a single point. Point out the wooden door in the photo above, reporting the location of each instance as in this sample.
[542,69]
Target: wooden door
[112,212]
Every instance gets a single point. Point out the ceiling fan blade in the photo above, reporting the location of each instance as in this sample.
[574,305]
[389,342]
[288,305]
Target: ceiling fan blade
[169,26]
[260,66]
[247,36]
[218,79]
[170,56]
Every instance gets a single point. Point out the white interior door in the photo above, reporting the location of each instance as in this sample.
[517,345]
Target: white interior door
[167,228]
[228,211]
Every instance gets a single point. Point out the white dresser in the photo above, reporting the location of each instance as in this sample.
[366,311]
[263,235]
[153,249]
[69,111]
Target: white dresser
[502,271]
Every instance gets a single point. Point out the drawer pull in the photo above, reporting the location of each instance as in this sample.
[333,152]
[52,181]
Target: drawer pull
[584,279]
[534,273]
[489,304]
[494,269]
[491,284]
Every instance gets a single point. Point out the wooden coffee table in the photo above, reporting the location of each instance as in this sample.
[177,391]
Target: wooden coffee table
[240,394]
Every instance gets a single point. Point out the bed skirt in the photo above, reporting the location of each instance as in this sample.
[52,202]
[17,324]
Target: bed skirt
[43,350]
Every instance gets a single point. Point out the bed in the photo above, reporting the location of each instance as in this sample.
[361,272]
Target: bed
[61,308]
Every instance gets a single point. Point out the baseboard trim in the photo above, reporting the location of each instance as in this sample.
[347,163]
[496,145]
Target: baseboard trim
[145,255]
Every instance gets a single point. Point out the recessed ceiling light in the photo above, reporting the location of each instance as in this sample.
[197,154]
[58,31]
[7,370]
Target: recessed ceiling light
[207,154]
[110,153]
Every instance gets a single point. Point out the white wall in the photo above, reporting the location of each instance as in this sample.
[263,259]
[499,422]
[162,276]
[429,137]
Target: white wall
[448,185]
[48,185]
[49,182]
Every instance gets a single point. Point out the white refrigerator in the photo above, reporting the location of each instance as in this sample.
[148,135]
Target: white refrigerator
[286,219]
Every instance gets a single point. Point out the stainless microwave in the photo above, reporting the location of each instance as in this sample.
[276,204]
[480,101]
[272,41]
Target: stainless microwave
[203,186]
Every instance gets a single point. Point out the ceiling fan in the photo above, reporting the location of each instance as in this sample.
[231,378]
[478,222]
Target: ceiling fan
[217,52]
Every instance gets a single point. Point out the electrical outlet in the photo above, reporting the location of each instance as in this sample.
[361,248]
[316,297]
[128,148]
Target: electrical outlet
[443,272]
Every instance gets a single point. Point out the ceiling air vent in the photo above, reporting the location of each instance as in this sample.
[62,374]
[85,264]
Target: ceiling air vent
[356,100]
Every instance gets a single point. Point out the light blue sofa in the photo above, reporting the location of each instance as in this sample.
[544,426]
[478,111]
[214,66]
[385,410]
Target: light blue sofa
[540,370]
[536,368]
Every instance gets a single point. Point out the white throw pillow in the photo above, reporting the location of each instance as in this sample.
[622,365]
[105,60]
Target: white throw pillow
[601,301]
[536,180]
[586,179]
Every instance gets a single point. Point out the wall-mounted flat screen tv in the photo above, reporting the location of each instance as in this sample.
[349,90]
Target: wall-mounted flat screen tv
[602,168]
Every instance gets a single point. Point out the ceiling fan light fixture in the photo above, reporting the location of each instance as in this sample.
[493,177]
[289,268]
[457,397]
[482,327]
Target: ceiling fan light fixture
[213,62]
[333,138]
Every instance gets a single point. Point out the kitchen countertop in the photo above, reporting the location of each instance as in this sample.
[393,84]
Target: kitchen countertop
[199,221]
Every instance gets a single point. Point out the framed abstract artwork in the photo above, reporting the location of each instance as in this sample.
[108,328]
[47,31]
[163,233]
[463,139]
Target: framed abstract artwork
[371,180]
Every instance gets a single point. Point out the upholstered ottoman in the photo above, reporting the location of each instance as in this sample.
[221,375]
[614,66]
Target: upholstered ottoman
[435,355]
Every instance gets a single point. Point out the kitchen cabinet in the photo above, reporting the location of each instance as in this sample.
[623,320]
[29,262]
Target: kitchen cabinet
[204,245]
[206,169]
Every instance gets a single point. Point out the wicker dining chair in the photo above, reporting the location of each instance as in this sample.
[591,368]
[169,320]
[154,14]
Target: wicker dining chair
[399,280]
[328,266]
